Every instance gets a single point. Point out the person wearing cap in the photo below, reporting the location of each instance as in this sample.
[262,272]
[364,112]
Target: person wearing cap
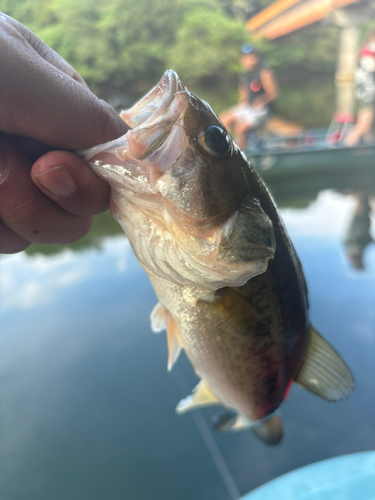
[365,93]
[257,88]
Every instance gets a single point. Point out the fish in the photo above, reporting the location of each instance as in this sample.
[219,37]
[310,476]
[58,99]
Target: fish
[230,286]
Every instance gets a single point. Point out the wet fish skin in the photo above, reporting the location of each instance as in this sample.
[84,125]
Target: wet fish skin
[231,288]
[247,343]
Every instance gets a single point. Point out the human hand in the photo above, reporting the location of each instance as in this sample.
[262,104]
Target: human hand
[46,195]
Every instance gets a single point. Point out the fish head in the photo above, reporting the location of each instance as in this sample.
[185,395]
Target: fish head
[180,191]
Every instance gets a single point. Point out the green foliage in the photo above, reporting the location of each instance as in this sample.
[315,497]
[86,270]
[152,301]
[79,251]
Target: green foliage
[113,44]
[313,103]
[121,47]
[205,53]
[312,50]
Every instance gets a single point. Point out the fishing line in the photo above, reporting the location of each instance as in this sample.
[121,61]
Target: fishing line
[208,439]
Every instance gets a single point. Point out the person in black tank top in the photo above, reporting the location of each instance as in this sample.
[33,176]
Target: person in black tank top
[257,89]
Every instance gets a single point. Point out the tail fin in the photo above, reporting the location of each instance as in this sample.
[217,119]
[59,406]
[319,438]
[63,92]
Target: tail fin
[269,430]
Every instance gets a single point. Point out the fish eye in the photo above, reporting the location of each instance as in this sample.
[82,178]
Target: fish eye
[215,140]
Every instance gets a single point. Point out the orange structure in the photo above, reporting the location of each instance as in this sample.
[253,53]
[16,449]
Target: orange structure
[269,13]
[285,16]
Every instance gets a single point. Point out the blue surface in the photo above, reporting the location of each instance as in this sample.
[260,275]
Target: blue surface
[87,405]
[349,477]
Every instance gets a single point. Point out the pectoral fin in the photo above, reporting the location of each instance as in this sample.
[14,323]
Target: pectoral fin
[324,372]
[201,396]
[162,320]
[158,318]
[238,312]
[173,340]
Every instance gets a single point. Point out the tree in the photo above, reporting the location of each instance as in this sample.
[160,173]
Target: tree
[122,47]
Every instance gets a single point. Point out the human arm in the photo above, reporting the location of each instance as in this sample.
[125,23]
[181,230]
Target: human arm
[269,86]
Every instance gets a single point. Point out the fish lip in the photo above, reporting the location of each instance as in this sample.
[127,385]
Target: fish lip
[152,133]
[172,89]
[168,85]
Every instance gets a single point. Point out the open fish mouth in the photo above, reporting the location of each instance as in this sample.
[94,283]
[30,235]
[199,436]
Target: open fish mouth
[156,101]
[150,120]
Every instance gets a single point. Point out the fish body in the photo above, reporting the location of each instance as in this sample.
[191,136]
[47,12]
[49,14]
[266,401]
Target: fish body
[247,343]
[207,232]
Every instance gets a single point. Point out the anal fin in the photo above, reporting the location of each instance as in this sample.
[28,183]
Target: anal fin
[201,396]
[324,372]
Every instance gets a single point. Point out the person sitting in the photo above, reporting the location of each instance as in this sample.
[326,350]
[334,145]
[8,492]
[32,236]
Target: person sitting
[257,89]
[365,93]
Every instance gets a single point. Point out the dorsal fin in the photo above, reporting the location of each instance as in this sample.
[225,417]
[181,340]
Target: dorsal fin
[324,372]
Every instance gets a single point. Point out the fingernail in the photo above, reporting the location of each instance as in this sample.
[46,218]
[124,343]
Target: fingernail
[58,180]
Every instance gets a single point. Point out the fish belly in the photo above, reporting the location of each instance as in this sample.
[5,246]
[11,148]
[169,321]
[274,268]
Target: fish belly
[242,372]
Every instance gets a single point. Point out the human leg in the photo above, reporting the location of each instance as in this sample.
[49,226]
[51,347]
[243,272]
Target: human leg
[363,126]
[241,130]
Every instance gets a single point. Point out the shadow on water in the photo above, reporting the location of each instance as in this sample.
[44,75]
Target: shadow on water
[87,405]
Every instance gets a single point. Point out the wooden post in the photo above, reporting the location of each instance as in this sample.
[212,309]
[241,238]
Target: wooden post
[346,66]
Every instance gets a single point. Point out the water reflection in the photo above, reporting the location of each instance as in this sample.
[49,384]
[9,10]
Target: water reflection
[87,406]
[358,235]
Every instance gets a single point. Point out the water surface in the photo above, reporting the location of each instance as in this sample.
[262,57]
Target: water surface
[87,405]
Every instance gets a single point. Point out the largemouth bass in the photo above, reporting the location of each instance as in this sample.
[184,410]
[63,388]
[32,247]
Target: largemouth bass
[231,288]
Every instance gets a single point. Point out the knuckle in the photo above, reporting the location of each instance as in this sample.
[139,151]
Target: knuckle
[20,212]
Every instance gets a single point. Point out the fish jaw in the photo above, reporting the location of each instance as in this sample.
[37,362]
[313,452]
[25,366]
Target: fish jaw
[120,161]
[165,251]
[158,171]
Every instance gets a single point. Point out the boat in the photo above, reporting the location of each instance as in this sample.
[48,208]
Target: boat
[287,161]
